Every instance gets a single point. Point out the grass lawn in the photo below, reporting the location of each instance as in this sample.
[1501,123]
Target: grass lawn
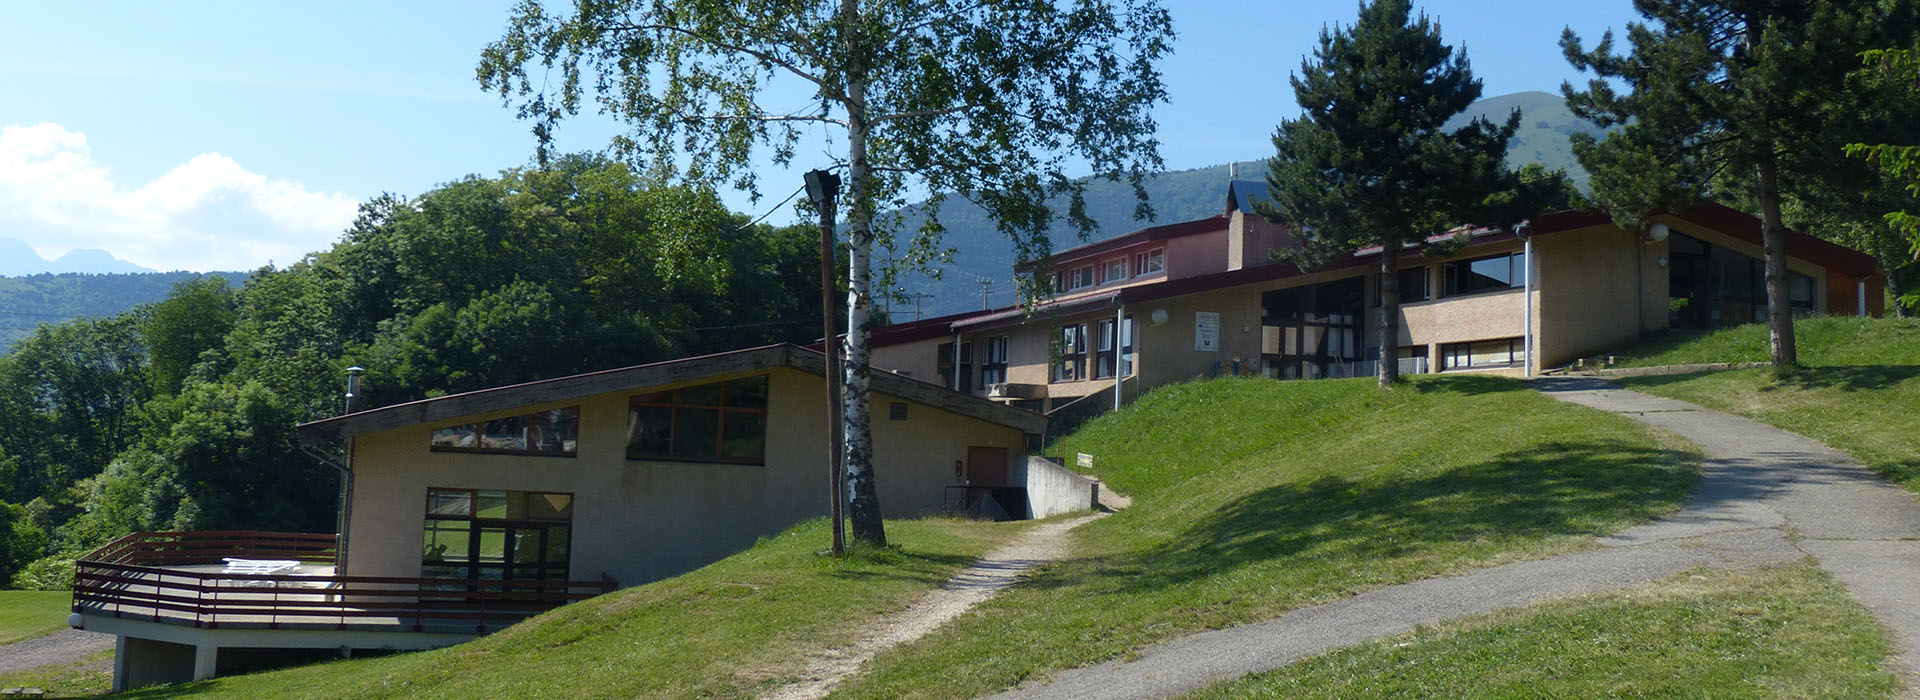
[726,631]
[1772,633]
[1253,497]
[1859,390]
[88,677]
[27,614]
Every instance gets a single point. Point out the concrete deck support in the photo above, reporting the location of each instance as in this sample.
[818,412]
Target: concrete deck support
[152,653]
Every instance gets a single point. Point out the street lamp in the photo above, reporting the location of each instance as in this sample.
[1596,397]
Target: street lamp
[823,187]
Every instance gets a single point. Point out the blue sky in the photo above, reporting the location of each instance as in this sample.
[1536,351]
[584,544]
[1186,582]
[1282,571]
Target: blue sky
[226,135]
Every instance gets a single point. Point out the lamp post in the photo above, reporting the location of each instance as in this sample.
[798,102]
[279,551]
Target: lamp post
[823,187]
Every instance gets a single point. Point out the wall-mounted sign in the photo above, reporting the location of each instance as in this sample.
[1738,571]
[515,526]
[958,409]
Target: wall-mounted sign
[1206,331]
[1083,459]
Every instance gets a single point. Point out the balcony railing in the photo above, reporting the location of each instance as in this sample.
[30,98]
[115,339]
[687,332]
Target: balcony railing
[177,578]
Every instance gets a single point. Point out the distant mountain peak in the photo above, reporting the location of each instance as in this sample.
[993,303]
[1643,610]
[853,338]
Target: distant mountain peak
[18,259]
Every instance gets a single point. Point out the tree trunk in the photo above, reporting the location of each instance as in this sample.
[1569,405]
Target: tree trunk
[863,506]
[1773,240]
[1388,370]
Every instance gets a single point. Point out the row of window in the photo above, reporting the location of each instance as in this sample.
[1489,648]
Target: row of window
[1111,271]
[719,422]
[1462,277]
[1110,353]
[993,364]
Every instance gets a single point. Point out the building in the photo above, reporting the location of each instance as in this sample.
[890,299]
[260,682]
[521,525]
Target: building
[468,512]
[1208,297]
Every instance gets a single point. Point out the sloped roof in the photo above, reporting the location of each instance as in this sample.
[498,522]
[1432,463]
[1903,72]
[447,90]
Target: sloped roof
[1241,194]
[639,377]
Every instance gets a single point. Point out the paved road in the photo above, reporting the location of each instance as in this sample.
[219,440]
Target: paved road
[1765,496]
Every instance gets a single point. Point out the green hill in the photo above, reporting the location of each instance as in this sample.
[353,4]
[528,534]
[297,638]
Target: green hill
[26,302]
[1251,497]
[980,251]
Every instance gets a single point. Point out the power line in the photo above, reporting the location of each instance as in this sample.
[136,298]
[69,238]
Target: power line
[775,208]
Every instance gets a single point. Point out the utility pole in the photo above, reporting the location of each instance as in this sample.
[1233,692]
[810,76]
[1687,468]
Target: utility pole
[823,187]
[986,293]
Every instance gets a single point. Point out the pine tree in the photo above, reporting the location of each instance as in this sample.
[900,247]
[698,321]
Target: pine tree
[1752,92]
[1370,164]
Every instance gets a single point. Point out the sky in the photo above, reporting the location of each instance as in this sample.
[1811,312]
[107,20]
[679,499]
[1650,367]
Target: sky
[231,135]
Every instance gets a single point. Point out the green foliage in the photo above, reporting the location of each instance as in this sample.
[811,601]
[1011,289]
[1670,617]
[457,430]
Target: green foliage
[195,318]
[1372,163]
[28,302]
[54,573]
[1898,163]
[21,541]
[1737,97]
[181,414]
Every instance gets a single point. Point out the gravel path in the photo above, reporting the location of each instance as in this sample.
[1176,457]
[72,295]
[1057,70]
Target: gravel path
[1765,496]
[970,587]
[64,646]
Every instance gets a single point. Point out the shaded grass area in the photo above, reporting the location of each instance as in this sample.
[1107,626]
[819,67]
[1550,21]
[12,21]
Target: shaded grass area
[28,614]
[1771,633]
[86,677]
[729,630]
[1253,497]
[1859,390]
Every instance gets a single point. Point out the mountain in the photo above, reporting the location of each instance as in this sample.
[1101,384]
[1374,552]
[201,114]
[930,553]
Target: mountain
[981,252]
[17,258]
[28,301]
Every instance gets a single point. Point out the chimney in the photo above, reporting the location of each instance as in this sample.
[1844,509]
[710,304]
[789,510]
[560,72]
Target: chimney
[353,389]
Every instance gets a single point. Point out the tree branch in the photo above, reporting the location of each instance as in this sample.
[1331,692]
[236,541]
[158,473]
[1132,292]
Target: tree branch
[763,56]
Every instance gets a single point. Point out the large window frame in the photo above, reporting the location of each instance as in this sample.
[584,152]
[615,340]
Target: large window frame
[550,433]
[1070,353]
[1416,285]
[673,425]
[993,361]
[1149,263]
[1483,354]
[497,534]
[1114,270]
[1484,275]
[1105,356]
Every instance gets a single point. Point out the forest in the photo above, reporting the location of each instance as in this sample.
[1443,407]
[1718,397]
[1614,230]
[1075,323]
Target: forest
[180,414]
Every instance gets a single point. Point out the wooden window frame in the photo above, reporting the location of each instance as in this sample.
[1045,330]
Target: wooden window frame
[675,407]
[479,428]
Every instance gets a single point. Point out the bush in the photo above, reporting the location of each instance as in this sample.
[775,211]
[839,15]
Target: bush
[53,573]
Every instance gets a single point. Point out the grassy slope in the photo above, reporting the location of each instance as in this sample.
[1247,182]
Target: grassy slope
[1782,633]
[723,631]
[1253,497]
[1859,391]
[25,614]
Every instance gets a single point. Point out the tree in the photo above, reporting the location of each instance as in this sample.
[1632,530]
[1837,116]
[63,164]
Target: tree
[1369,163]
[1899,163]
[194,319]
[990,101]
[1721,88]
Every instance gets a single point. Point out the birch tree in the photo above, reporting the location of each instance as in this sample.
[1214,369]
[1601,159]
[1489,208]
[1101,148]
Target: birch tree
[994,101]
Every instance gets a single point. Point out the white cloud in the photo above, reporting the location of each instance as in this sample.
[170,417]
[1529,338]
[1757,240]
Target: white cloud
[209,213]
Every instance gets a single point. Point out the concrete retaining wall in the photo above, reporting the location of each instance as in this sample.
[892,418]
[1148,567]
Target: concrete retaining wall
[1051,488]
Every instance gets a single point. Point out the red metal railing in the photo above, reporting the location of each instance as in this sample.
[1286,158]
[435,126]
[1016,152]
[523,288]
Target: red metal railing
[153,575]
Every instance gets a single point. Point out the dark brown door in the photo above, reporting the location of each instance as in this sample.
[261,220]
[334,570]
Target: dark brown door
[987,466]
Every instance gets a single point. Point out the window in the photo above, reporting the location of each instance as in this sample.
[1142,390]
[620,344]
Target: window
[1483,275]
[1413,286]
[719,422]
[1116,270]
[1105,355]
[1080,278]
[993,367]
[1504,352]
[944,366]
[552,433]
[1070,345]
[1712,287]
[496,535]
[1150,262]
